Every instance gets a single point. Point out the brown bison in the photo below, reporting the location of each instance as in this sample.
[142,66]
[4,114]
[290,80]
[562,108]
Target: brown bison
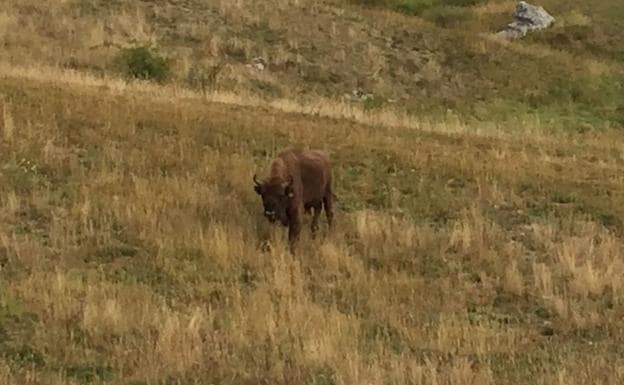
[299,180]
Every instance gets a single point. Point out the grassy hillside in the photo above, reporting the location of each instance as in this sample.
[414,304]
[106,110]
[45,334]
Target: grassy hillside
[479,245]
[570,76]
[130,249]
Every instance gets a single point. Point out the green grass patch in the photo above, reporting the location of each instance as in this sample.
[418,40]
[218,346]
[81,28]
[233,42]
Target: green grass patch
[418,7]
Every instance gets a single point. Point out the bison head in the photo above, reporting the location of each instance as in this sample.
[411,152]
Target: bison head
[275,198]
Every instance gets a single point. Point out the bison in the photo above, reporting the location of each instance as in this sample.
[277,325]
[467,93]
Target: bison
[299,180]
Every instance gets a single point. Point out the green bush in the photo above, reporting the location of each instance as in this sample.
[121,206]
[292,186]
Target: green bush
[141,63]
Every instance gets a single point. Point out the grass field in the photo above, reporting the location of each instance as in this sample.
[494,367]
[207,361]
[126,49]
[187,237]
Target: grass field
[480,245]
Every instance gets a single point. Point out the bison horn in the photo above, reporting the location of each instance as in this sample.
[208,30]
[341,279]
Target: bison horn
[256,181]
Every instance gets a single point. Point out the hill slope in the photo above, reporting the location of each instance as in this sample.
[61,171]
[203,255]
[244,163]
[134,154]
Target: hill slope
[465,252]
[570,75]
[130,248]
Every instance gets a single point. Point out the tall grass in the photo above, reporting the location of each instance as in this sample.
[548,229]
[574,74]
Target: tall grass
[480,195]
[132,247]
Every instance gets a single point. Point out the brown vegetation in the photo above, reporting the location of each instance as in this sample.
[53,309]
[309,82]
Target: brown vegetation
[465,252]
[130,249]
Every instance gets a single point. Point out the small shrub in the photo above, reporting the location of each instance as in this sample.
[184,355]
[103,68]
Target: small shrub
[142,63]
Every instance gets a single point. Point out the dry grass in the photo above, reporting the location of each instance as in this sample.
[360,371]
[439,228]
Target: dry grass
[132,246]
[130,241]
[323,50]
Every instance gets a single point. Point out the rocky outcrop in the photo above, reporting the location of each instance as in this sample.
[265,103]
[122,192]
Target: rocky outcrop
[526,18]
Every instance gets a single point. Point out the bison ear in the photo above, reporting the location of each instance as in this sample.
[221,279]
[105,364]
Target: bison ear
[257,185]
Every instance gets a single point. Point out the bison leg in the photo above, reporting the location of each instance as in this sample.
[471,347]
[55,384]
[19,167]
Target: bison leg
[328,202]
[294,228]
[315,218]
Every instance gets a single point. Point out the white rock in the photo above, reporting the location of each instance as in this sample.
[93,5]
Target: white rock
[526,18]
